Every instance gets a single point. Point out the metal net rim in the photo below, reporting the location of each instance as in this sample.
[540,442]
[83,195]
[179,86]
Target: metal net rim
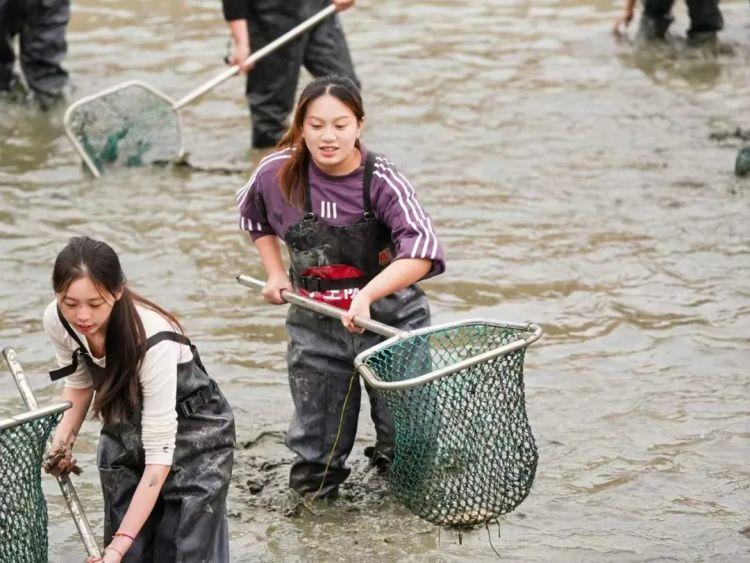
[41,412]
[73,108]
[528,334]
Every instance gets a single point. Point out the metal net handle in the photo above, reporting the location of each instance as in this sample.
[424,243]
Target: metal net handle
[325,309]
[255,56]
[390,332]
[66,485]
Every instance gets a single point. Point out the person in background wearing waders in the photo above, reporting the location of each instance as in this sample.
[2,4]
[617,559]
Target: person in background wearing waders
[357,239]
[40,24]
[272,82]
[167,443]
[705,21]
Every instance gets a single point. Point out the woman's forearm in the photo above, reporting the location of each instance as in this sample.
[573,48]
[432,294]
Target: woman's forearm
[72,419]
[238,29]
[398,275]
[141,505]
[269,249]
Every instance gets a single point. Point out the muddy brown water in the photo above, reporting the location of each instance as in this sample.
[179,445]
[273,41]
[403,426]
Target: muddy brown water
[575,182]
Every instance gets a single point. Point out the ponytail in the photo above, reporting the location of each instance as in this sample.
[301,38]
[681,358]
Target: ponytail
[125,347]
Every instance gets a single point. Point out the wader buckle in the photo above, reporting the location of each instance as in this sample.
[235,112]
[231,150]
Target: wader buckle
[310,284]
[194,402]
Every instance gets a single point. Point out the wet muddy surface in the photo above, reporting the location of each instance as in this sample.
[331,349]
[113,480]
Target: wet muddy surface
[575,181]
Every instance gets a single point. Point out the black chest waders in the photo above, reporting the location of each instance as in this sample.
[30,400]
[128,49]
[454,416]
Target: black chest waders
[188,522]
[321,352]
[465,454]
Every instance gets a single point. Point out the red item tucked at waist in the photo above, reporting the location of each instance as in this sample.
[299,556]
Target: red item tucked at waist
[341,298]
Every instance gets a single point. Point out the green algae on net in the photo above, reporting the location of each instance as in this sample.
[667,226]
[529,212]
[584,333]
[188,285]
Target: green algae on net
[112,149]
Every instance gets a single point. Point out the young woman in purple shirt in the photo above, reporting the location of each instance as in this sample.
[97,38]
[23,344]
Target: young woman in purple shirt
[357,238]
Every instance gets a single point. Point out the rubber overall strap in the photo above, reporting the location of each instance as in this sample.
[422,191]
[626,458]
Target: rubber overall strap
[65,371]
[193,402]
[69,328]
[366,183]
[309,215]
[81,352]
[154,339]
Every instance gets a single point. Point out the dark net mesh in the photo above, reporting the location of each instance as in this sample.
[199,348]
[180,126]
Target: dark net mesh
[131,126]
[465,453]
[23,510]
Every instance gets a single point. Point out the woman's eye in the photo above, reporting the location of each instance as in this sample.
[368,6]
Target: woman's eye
[340,127]
[316,127]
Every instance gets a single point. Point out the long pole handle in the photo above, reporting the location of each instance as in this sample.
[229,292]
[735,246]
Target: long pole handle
[66,486]
[323,308]
[255,56]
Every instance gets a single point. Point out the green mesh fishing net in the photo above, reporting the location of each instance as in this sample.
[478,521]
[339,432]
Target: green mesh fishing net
[23,510]
[465,453]
[130,125]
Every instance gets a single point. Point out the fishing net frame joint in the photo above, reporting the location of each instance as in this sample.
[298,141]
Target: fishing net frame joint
[72,109]
[534,332]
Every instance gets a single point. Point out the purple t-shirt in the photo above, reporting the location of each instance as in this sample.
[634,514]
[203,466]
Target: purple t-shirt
[337,200]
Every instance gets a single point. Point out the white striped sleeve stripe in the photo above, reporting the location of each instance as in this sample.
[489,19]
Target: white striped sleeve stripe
[244,190]
[427,220]
[398,183]
[247,224]
[403,208]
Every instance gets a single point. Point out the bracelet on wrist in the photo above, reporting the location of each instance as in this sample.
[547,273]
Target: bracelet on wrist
[124,535]
[117,551]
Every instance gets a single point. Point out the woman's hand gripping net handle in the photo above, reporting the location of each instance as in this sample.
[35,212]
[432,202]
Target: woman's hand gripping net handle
[324,309]
[534,333]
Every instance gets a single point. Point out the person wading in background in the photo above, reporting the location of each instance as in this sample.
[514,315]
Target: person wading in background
[705,20]
[272,82]
[40,25]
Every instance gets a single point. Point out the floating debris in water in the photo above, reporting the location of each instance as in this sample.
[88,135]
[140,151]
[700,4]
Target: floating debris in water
[737,133]
[742,164]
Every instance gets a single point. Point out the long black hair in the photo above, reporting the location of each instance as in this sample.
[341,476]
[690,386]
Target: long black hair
[125,339]
[293,175]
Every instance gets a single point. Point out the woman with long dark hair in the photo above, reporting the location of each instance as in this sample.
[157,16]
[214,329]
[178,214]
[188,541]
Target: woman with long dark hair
[358,239]
[167,443]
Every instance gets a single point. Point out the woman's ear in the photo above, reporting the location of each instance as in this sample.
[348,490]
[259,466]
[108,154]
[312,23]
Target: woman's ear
[118,294]
[360,127]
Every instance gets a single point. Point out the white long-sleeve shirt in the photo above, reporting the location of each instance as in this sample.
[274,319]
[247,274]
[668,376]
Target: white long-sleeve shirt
[157,376]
